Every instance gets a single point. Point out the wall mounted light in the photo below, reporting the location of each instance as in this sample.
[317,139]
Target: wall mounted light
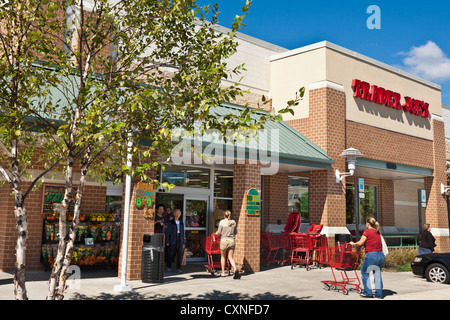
[444,189]
[351,155]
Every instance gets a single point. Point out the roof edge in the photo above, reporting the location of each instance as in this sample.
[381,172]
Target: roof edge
[356,55]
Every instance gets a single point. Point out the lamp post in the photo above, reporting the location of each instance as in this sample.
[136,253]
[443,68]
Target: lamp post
[123,287]
[351,155]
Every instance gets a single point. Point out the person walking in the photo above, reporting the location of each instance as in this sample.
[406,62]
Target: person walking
[426,240]
[374,258]
[175,240]
[227,232]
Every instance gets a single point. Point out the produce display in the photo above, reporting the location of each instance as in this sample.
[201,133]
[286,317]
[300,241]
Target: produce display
[83,255]
[96,242]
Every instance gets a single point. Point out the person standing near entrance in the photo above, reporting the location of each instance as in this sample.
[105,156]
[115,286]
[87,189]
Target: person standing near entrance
[160,220]
[374,258]
[426,240]
[169,214]
[227,231]
[175,240]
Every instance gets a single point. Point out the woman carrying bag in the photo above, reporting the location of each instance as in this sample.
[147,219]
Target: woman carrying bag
[374,258]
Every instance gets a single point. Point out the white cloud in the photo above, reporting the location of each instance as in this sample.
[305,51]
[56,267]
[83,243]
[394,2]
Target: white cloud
[427,61]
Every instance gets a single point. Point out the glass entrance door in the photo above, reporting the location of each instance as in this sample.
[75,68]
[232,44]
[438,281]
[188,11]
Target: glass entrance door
[195,222]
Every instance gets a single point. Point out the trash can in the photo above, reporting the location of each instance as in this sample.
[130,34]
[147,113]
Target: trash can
[342,238]
[152,268]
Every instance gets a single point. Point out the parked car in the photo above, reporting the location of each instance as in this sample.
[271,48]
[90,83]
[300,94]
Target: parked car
[433,266]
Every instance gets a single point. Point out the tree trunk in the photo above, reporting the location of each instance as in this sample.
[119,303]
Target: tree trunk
[20,291]
[59,260]
[73,230]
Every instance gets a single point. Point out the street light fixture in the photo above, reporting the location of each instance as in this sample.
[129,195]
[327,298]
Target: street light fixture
[444,189]
[351,155]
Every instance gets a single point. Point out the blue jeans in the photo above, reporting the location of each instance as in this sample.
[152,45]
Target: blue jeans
[374,261]
[424,251]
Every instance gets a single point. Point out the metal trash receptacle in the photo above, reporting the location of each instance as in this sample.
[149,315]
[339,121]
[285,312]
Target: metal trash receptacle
[152,268]
[342,238]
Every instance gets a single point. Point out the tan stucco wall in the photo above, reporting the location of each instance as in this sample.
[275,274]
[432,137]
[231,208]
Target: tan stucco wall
[325,61]
[405,202]
[289,75]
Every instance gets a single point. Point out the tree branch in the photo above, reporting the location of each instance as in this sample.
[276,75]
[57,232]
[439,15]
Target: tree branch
[7,177]
[40,176]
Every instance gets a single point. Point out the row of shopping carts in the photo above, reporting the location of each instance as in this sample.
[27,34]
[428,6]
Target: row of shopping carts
[311,250]
[302,249]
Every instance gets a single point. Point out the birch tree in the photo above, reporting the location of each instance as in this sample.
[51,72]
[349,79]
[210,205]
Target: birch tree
[24,83]
[135,69]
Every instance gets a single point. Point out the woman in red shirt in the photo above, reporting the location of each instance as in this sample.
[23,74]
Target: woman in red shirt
[374,259]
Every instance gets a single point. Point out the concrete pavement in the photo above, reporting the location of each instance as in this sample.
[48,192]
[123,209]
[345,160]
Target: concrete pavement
[273,283]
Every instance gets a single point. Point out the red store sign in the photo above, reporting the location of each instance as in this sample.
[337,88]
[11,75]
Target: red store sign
[389,98]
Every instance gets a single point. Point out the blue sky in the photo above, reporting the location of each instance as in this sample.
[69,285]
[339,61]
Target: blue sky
[414,35]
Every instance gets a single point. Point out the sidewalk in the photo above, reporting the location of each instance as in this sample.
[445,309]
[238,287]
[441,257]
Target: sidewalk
[274,283]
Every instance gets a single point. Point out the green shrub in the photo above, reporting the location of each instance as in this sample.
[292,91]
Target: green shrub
[398,259]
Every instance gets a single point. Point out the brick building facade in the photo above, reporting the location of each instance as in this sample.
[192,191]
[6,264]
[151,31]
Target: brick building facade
[329,120]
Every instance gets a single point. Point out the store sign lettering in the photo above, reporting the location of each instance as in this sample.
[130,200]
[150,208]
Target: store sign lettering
[53,196]
[389,98]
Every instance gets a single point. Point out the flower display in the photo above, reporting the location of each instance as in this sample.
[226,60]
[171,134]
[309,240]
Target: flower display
[102,249]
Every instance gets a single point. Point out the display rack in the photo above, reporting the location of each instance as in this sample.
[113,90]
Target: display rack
[96,244]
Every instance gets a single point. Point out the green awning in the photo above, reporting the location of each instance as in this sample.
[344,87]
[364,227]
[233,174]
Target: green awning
[290,146]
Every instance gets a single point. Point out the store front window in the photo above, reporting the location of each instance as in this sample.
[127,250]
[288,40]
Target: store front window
[367,205]
[186,176]
[195,226]
[114,204]
[298,196]
[223,197]
[223,184]
[210,193]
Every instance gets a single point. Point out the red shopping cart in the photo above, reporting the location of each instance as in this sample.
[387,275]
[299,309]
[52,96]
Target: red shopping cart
[211,246]
[323,252]
[300,249]
[315,228]
[343,258]
[274,248]
[318,245]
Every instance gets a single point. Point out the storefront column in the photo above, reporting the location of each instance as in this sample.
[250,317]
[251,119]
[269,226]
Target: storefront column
[246,176]
[436,211]
[325,127]
[138,226]
[275,199]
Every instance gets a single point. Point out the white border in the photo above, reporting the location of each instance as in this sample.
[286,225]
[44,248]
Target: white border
[326,84]
[332,231]
[440,232]
[437,118]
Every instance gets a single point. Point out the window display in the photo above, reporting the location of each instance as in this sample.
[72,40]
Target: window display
[97,238]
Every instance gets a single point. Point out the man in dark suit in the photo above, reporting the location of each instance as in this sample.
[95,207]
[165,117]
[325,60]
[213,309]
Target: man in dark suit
[175,240]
